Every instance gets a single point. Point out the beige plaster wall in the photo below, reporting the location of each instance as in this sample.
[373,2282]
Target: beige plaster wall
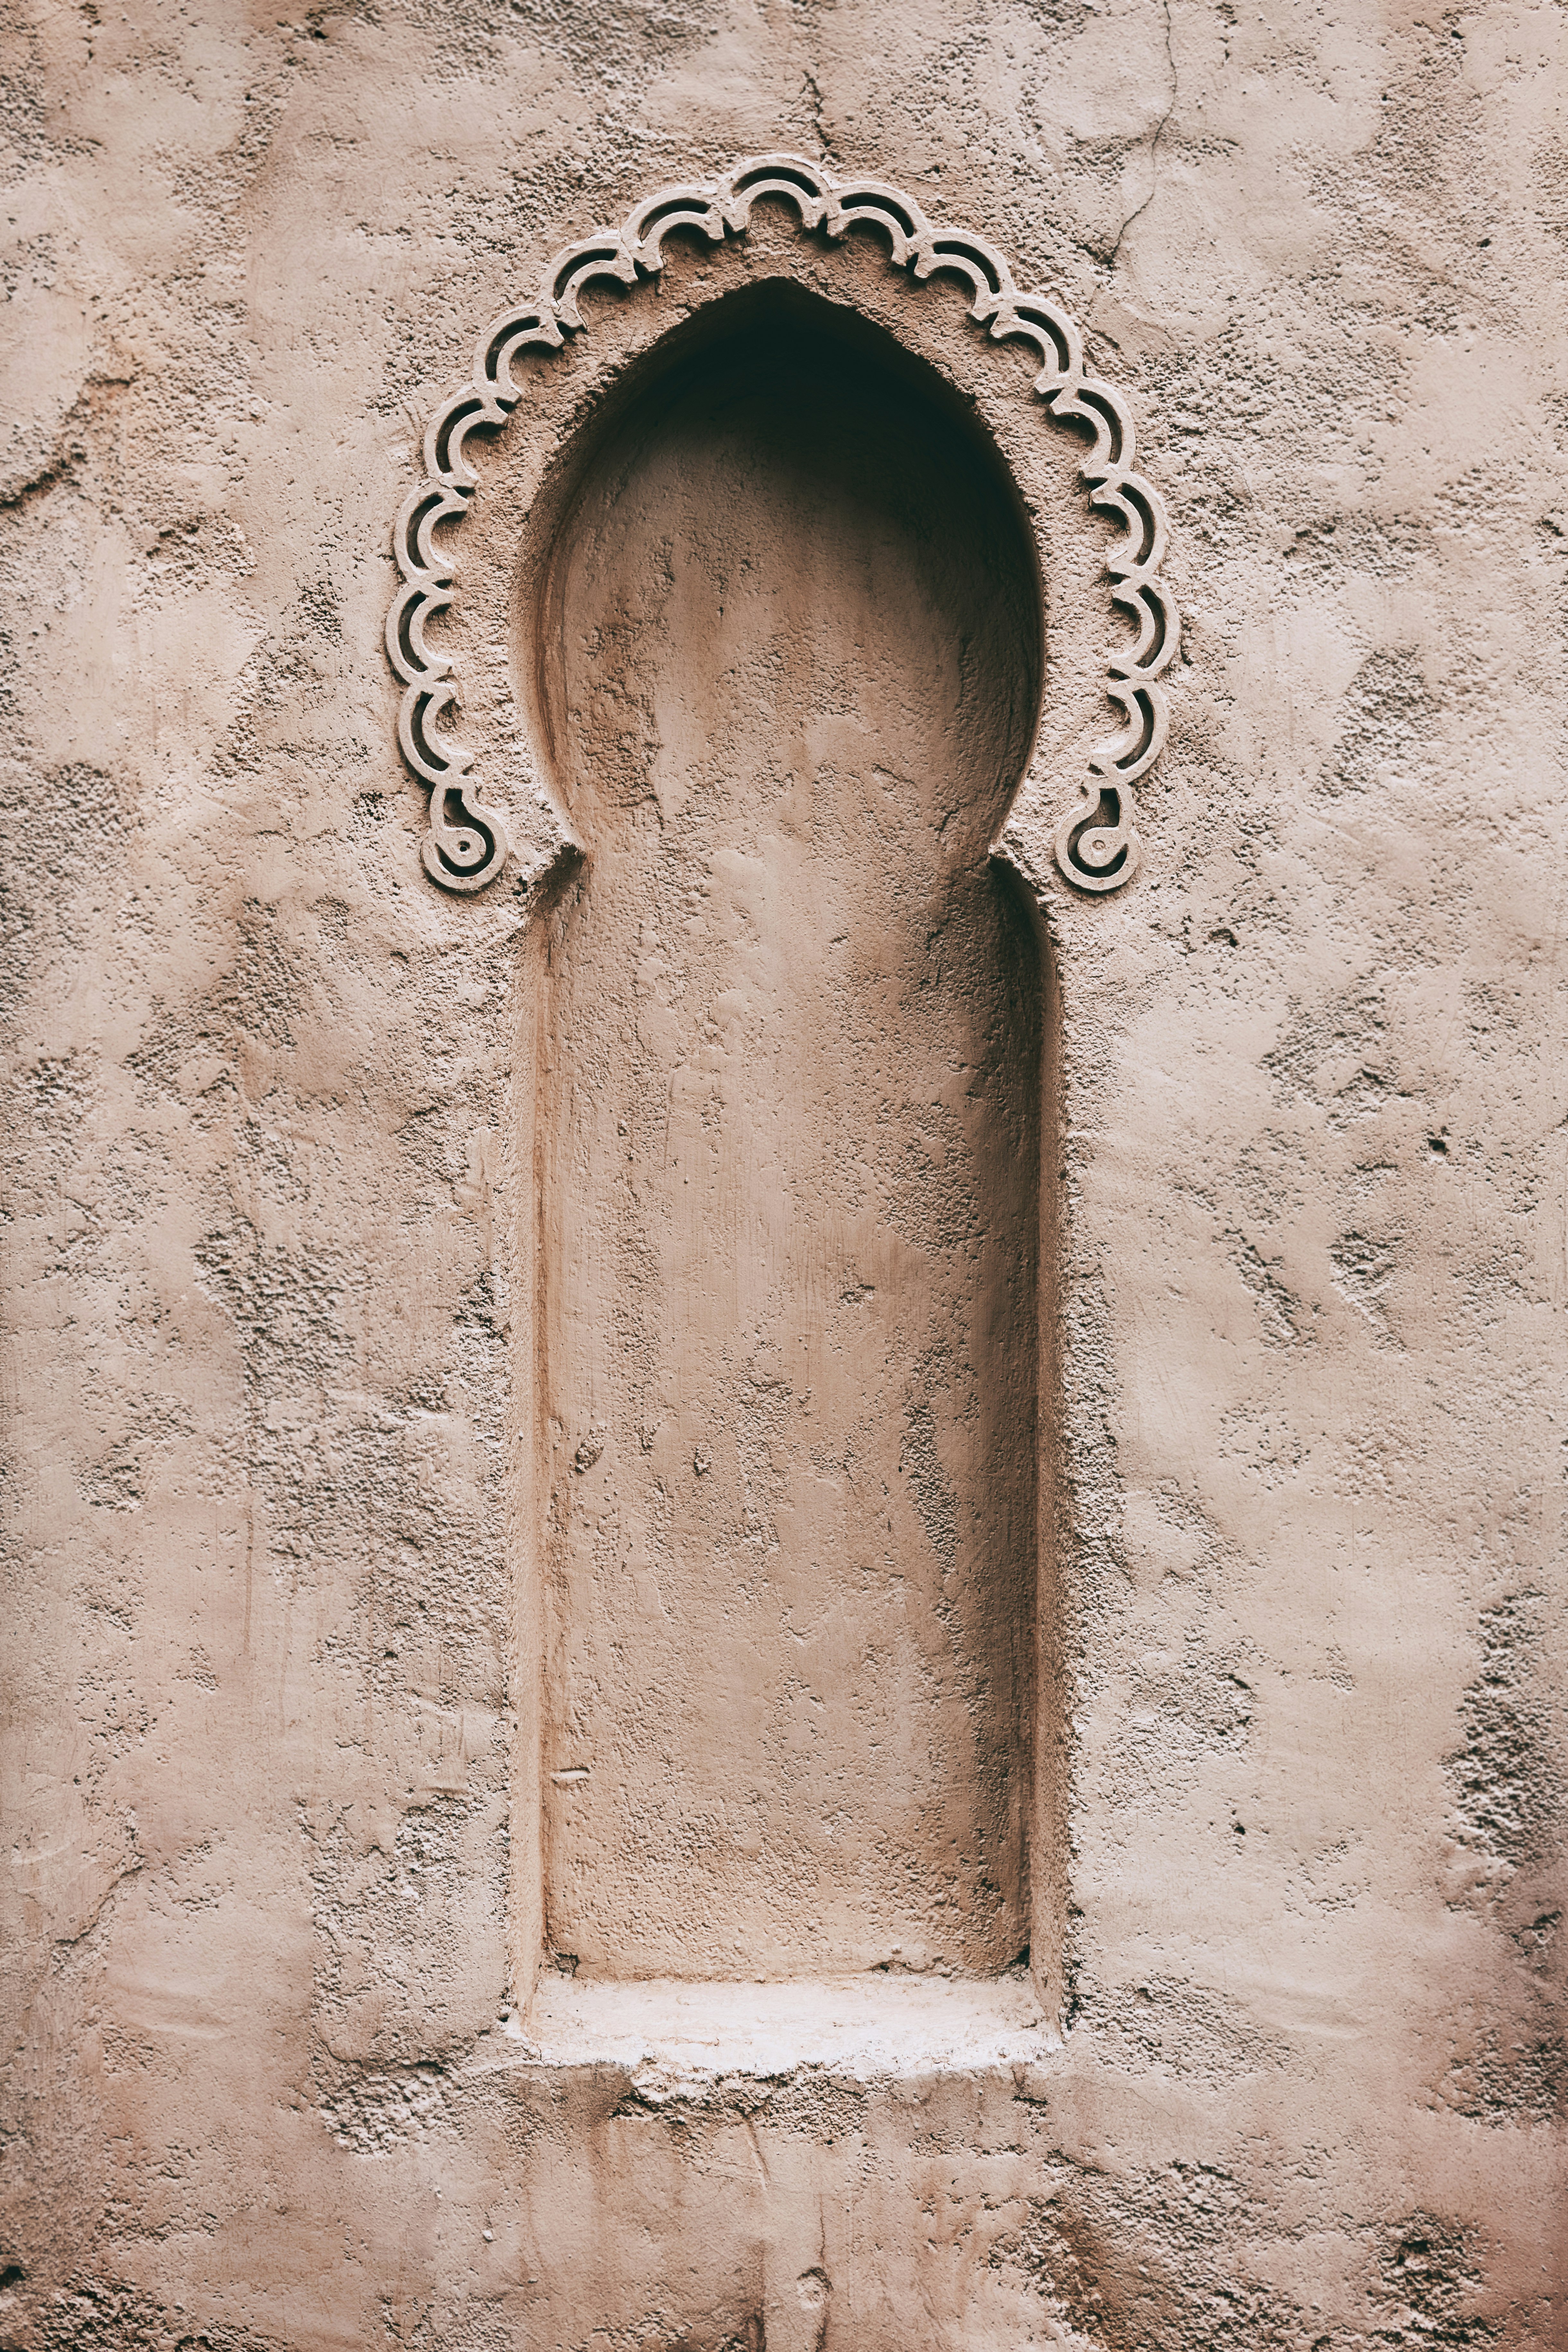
[790,1134]
[261,2086]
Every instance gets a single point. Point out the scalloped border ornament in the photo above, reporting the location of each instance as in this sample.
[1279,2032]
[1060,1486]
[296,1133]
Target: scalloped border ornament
[468,845]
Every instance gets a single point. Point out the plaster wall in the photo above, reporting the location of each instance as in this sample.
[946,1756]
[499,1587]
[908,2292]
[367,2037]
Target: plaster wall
[266,2083]
[790,1136]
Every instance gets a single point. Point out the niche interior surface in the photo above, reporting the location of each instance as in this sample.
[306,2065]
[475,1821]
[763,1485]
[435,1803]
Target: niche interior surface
[784,654]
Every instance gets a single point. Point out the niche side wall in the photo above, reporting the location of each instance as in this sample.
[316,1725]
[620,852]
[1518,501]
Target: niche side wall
[785,673]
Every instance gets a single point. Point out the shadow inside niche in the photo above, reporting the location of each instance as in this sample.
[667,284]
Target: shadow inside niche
[785,664]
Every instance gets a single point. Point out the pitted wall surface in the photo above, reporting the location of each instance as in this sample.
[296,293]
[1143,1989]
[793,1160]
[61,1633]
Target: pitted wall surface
[789,1121]
[263,2085]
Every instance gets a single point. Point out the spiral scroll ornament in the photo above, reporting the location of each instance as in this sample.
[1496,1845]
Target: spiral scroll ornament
[1096,843]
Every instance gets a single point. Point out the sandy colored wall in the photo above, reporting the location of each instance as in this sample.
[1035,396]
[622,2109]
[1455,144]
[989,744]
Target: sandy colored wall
[789,1234]
[263,2085]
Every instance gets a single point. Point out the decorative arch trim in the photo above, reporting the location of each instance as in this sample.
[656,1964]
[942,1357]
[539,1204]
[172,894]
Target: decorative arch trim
[1096,843]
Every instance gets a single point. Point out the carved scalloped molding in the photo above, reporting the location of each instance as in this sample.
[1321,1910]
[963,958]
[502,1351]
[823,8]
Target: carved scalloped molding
[467,843]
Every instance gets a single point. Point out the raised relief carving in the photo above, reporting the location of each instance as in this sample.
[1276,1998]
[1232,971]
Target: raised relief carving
[1096,841]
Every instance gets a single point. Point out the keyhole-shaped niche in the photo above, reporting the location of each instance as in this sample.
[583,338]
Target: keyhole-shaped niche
[784,656]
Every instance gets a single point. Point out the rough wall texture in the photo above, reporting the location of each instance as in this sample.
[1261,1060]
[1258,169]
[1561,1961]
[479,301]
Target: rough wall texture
[791,1110]
[257,2089]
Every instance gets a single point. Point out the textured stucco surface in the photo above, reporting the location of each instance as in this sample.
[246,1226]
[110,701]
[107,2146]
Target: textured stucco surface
[790,1117]
[259,1675]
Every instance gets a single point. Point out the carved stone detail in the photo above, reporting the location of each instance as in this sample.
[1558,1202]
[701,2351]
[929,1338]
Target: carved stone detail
[1096,843]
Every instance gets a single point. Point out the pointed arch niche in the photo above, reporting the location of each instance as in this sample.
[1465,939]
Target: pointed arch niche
[786,674]
[781,619]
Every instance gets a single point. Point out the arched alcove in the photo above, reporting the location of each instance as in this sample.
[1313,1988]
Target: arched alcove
[783,654]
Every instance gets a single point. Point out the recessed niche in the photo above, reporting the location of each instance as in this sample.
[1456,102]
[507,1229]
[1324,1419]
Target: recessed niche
[783,656]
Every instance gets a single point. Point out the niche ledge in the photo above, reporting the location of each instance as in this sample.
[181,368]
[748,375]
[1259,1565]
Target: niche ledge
[862,2026]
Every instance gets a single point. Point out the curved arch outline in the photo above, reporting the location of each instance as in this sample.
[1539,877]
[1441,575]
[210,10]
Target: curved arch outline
[1094,854]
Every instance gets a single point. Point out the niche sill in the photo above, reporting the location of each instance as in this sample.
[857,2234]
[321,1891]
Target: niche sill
[861,2026]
